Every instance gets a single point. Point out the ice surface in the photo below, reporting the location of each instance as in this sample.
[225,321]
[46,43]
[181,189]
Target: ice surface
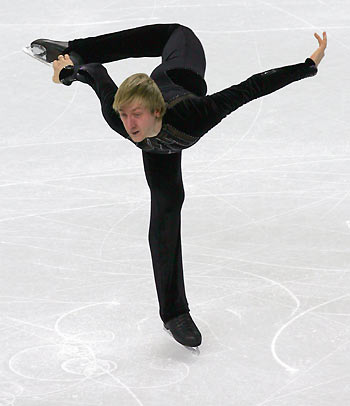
[265,223]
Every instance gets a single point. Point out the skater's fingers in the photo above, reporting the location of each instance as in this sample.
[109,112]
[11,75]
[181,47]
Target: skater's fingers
[322,42]
[318,38]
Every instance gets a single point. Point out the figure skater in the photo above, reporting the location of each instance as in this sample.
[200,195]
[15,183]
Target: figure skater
[162,114]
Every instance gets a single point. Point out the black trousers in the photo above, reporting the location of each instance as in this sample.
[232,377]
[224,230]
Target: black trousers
[183,63]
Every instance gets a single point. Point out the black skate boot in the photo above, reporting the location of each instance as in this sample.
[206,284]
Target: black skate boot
[184,330]
[46,50]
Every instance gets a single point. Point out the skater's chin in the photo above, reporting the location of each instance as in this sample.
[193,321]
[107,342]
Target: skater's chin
[137,137]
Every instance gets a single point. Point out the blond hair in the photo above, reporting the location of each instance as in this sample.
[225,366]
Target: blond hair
[140,87]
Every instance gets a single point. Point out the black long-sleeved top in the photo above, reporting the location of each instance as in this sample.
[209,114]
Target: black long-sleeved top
[188,117]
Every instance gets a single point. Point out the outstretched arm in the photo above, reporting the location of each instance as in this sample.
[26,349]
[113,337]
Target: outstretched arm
[203,113]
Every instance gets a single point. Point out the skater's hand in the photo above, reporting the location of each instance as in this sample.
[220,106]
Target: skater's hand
[58,65]
[319,53]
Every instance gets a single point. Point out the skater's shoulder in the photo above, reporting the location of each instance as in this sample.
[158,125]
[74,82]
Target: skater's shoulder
[178,99]
[181,105]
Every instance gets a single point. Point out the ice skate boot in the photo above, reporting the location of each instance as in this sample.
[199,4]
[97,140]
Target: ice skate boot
[46,51]
[184,330]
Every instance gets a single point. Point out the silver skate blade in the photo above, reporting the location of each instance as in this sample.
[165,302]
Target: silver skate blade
[38,52]
[194,350]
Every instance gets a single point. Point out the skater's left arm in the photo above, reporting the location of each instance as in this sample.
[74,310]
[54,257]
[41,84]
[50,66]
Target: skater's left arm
[208,111]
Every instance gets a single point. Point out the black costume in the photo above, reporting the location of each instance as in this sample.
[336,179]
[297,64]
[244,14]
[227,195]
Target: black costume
[190,114]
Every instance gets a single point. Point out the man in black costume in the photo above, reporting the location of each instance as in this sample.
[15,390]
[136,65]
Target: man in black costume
[180,117]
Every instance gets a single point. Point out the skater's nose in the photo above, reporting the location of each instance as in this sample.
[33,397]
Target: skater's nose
[130,122]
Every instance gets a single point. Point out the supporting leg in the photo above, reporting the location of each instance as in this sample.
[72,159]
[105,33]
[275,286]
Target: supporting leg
[164,178]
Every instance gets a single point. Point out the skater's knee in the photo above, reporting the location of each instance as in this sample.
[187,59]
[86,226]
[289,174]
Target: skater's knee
[178,25]
[169,200]
[187,30]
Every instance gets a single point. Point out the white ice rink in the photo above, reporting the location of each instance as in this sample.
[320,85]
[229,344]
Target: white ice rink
[265,223]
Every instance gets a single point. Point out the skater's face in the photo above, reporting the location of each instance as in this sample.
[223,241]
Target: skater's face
[139,122]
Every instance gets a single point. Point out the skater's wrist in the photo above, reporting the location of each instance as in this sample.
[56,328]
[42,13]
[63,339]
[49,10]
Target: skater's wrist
[59,65]
[66,75]
[72,73]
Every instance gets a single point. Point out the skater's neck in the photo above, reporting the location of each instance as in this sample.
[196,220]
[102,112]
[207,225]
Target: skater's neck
[157,128]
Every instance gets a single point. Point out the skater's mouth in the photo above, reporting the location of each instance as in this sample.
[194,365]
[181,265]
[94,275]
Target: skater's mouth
[135,132]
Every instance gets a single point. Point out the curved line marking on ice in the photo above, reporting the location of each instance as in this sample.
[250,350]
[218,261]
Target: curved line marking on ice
[280,331]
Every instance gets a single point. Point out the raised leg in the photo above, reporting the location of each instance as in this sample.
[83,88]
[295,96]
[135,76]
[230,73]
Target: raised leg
[183,59]
[145,41]
[164,178]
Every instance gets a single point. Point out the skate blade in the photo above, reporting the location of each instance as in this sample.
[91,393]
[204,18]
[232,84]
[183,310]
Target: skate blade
[37,52]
